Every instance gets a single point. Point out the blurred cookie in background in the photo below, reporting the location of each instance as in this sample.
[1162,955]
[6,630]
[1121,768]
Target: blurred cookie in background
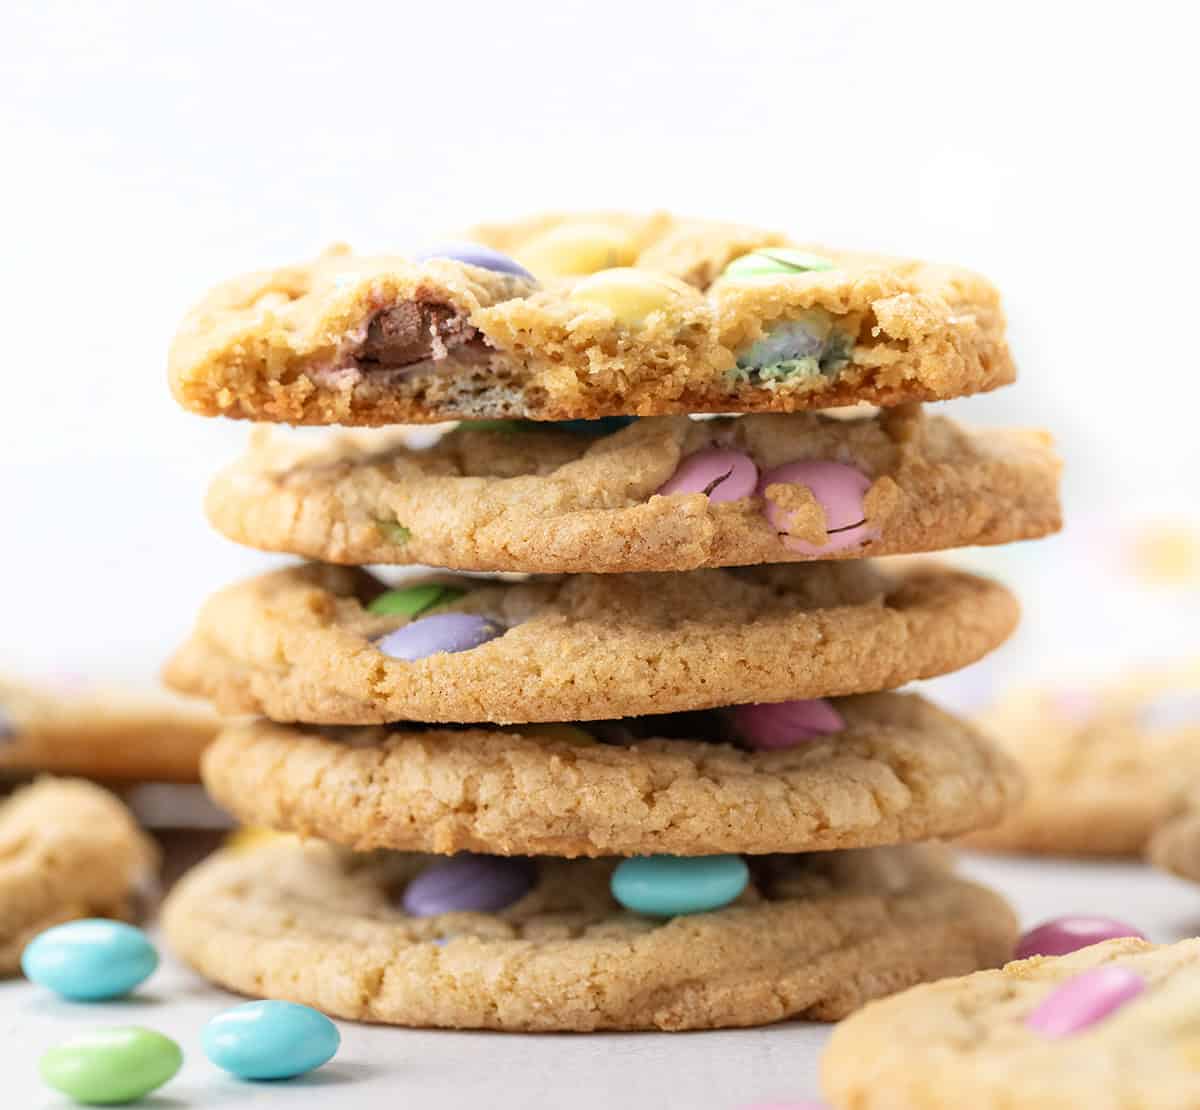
[68,725]
[1175,845]
[1108,763]
[68,849]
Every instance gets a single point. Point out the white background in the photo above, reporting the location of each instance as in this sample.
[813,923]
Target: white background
[152,149]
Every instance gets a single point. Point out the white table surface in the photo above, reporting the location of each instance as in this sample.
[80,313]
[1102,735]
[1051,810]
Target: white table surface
[393,1069]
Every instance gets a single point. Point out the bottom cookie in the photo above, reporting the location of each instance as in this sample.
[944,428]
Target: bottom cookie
[811,936]
[68,849]
[1109,1027]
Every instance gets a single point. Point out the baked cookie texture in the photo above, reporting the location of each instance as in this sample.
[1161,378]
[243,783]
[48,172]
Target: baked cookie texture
[369,340]
[964,1042]
[300,645]
[117,734]
[539,499]
[1107,764]
[812,936]
[901,770]
[68,849]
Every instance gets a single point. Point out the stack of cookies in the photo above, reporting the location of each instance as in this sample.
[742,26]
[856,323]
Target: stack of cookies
[647,778]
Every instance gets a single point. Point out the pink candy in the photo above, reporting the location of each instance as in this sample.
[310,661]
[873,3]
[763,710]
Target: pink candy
[723,474]
[838,488]
[1061,935]
[785,724]
[1085,1000]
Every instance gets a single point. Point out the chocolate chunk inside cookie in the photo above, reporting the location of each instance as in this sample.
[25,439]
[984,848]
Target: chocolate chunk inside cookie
[414,332]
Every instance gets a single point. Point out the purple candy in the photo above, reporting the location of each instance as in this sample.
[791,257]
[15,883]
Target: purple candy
[443,632]
[469,883]
[7,729]
[1061,935]
[723,474]
[1085,1000]
[476,254]
[784,724]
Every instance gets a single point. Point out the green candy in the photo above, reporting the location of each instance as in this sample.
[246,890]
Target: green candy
[412,601]
[397,533]
[108,1066]
[771,261]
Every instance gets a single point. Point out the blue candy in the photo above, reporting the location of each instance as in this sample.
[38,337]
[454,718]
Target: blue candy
[90,960]
[475,254]
[667,886]
[270,1040]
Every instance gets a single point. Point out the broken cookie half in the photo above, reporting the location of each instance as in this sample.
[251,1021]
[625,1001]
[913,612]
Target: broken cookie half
[583,317]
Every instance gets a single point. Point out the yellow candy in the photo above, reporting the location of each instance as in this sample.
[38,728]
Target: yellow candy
[630,295]
[250,838]
[574,249]
[569,734]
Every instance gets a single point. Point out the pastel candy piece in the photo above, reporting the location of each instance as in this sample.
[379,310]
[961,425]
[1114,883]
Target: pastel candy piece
[469,883]
[475,254]
[723,474]
[413,600]
[270,1040]
[802,336]
[1085,1000]
[108,1066]
[393,531]
[8,730]
[250,838]
[504,426]
[669,886]
[630,295]
[1061,935]
[442,632]
[775,262]
[784,724]
[90,960]
[603,426]
[838,487]
[571,250]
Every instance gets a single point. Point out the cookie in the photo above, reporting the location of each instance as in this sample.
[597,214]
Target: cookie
[544,498]
[660,316]
[304,644]
[1175,845]
[1109,1027]
[811,936]
[105,732]
[68,849]
[1106,764]
[897,769]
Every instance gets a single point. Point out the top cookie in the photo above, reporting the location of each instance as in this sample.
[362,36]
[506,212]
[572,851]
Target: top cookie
[1109,1027]
[615,315]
